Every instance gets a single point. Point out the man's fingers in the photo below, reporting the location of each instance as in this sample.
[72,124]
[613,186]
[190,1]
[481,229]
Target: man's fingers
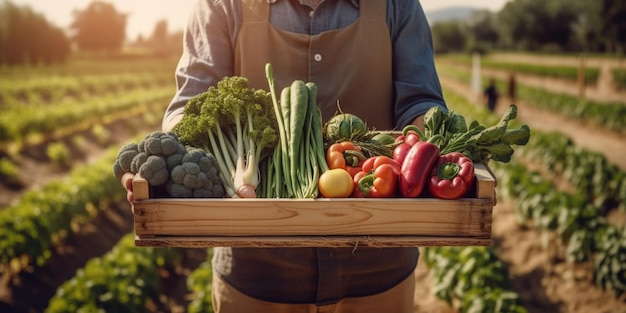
[130,197]
[127,181]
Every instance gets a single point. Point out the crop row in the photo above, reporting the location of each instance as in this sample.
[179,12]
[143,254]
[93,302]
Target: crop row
[593,178]
[474,276]
[30,228]
[122,280]
[619,78]
[96,65]
[579,226]
[608,115]
[67,144]
[565,72]
[578,218]
[17,124]
[199,284]
[127,279]
[50,90]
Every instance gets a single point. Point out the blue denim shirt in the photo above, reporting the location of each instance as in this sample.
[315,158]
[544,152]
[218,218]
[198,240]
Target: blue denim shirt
[210,37]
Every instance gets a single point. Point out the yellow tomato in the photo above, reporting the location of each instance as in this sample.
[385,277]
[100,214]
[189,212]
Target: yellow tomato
[336,183]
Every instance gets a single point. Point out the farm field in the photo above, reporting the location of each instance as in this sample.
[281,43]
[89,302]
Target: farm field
[538,265]
[550,247]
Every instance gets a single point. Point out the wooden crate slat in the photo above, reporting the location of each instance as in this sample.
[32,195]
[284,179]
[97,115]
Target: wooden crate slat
[311,216]
[309,241]
[316,222]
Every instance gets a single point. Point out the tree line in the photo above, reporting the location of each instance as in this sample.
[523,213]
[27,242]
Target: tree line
[558,26]
[521,25]
[26,37]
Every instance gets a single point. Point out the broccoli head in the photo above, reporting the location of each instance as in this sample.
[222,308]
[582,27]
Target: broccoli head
[162,160]
[138,161]
[124,160]
[160,143]
[206,161]
[154,170]
[132,156]
[176,158]
[196,177]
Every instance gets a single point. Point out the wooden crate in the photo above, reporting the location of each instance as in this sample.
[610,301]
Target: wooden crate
[349,222]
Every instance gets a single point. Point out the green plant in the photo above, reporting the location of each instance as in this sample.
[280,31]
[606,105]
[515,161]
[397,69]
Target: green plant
[473,275]
[121,281]
[27,228]
[9,172]
[102,134]
[199,283]
[58,153]
[619,77]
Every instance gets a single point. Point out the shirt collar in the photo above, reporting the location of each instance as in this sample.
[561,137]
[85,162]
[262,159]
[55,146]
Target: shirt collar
[354,2]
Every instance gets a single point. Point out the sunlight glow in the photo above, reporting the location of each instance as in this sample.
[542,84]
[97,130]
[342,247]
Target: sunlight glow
[144,14]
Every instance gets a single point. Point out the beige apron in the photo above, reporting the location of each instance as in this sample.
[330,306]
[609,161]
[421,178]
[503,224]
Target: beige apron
[350,66]
[346,67]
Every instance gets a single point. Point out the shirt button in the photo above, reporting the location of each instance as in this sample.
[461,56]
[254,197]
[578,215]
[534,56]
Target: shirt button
[311,13]
[317,57]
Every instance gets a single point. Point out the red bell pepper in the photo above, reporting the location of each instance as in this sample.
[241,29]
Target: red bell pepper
[452,177]
[400,151]
[416,168]
[378,178]
[410,135]
[345,155]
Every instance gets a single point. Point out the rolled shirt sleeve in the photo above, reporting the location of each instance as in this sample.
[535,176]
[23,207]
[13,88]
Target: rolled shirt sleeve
[208,45]
[416,83]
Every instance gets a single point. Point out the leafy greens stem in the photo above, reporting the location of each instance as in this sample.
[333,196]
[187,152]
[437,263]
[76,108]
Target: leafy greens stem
[225,172]
[223,148]
[278,169]
[269,73]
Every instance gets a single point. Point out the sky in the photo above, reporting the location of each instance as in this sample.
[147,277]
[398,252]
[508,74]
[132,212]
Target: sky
[143,14]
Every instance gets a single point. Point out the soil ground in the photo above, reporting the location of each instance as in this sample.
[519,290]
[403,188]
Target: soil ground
[545,282]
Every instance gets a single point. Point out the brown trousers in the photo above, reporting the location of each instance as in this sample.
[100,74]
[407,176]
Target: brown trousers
[398,299]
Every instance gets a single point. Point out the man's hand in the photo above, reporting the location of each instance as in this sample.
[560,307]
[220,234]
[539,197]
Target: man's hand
[419,122]
[127,182]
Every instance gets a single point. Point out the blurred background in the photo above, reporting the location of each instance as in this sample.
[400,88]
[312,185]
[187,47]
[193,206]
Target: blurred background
[79,79]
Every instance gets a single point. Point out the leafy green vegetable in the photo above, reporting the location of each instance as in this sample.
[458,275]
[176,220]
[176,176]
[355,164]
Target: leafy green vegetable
[299,159]
[450,132]
[345,127]
[237,125]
